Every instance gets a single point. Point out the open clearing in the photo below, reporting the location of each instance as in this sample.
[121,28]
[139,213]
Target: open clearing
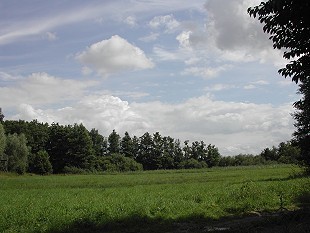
[206,200]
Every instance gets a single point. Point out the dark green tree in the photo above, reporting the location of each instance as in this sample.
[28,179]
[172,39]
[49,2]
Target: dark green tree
[288,153]
[302,122]
[198,150]
[168,157]
[288,23]
[114,143]
[212,156]
[3,157]
[2,140]
[187,150]
[17,152]
[39,163]
[100,143]
[12,127]
[270,154]
[127,148]
[1,116]
[35,132]
[145,153]
[157,155]
[178,153]
[37,135]
[226,161]
[80,152]
[58,146]
[135,147]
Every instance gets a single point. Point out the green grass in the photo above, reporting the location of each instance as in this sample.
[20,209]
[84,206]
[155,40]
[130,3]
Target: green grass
[154,201]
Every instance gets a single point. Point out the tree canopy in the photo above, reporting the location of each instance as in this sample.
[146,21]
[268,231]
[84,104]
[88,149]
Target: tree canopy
[288,23]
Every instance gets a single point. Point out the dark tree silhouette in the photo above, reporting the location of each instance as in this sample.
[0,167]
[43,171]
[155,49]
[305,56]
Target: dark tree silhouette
[288,23]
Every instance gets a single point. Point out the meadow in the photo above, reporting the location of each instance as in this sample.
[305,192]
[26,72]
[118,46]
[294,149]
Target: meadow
[152,201]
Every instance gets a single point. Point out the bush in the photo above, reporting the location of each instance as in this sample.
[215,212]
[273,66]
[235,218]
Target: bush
[39,163]
[192,163]
[118,163]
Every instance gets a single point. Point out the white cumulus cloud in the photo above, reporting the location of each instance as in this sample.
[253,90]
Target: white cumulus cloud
[114,55]
[168,22]
[42,88]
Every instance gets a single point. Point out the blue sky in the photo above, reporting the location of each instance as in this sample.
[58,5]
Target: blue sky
[197,70]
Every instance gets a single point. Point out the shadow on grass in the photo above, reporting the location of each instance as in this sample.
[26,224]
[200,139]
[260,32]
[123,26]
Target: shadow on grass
[294,175]
[288,221]
[139,224]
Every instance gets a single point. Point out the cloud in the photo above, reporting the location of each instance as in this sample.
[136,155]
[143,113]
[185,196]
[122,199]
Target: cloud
[42,88]
[234,127]
[165,55]
[131,21]
[205,72]
[38,24]
[167,22]
[225,124]
[249,87]
[219,87]
[48,16]
[238,36]
[51,36]
[114,55]
[149,38]
[103,112]
[255,84]
[183,39]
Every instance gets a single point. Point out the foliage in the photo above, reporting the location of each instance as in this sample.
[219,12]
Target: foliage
[118,163]
[2,140]
[1,116]
[39,163]
[3,157]
[127,146]
[100,143]
[17,152]
[302,121]
[192,163]
[114,143]
[74,149]
[286,152]
[35,132]
[288,23]
[270,154]
[58,146]
[80,150]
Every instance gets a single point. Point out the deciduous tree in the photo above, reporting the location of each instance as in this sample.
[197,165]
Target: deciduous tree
[288,23]
[17,151]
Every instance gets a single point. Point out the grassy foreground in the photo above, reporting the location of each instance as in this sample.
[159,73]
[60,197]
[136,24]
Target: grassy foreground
[156,201]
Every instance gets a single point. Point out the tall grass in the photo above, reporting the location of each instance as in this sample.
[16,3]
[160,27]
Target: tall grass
[53,203]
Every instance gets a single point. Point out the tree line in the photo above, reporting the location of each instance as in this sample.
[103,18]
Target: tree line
[43,149]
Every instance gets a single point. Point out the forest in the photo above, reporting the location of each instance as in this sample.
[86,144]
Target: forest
[41,148]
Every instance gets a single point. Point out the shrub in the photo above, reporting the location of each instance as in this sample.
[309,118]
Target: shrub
[39,163]
[192,163]
[118,163]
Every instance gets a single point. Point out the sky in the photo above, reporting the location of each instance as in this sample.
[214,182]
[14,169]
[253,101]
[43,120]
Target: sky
[193,70]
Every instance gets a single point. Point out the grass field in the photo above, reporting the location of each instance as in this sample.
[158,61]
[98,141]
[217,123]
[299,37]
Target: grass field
[155,201]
